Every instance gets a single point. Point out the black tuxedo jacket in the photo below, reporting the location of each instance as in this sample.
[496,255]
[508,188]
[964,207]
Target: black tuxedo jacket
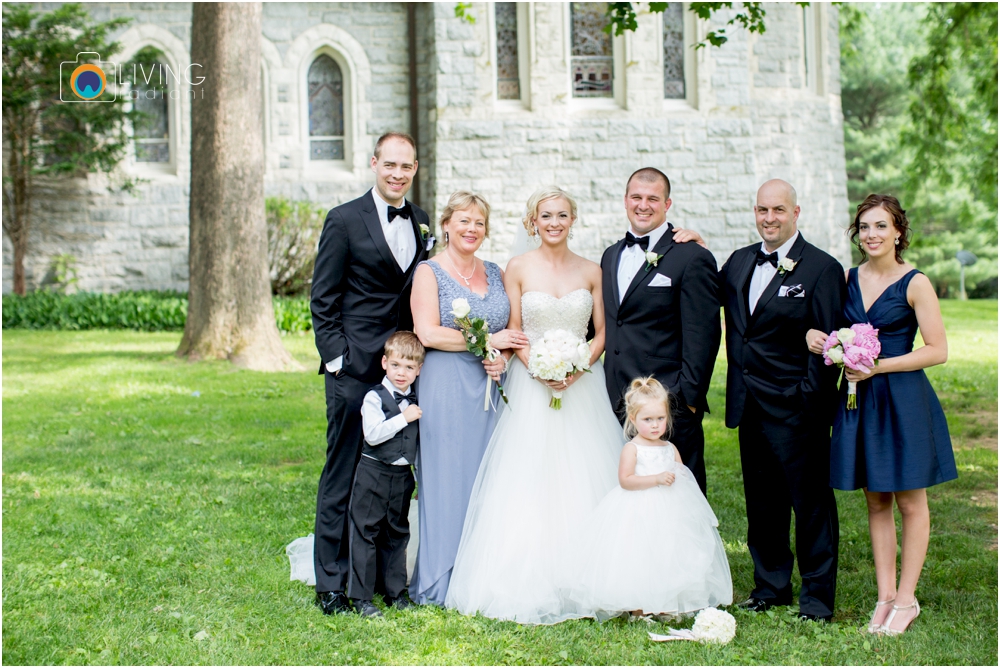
[670,332]
[767,351]
[360,296]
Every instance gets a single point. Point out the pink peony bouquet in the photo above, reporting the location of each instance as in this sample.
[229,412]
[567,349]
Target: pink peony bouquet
[856,347]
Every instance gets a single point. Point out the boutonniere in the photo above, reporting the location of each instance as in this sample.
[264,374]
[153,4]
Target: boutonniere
[427,237]
[652,259]
[786,265]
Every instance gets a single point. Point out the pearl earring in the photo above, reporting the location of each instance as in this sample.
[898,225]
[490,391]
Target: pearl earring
[897,241]
[445,238]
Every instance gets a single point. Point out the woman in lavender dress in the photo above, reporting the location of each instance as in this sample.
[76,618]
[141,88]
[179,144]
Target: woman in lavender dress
[455,426]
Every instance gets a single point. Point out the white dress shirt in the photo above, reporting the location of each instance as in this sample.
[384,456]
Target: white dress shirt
[402,242]
[376,427]
[633,258]
[398,234]
[763,273]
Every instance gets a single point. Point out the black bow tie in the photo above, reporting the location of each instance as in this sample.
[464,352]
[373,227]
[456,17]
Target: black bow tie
[409,396]
[631,240]
[763,257]
[404,212]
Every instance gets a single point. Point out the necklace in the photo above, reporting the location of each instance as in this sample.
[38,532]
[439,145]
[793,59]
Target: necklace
[455,267]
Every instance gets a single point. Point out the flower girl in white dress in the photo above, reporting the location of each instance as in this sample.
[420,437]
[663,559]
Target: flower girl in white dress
[651,546]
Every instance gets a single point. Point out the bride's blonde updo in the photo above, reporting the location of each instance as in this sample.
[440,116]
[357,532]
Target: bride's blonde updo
[543,195]
[640,392]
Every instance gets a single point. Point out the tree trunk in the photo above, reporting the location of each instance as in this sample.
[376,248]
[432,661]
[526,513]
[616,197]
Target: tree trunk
[17,222]
[230,315]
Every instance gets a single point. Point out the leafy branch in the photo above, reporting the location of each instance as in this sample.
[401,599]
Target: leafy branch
[622,17]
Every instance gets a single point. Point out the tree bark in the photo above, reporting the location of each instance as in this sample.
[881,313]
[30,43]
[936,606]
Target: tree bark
[230,315]
[17,222]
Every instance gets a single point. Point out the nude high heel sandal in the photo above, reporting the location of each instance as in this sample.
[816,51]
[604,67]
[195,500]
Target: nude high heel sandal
[888,620]
[872,626]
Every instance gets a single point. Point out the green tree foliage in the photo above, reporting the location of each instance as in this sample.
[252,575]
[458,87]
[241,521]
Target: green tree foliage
[750,15]
[954,108]
[42,134]
[880,43]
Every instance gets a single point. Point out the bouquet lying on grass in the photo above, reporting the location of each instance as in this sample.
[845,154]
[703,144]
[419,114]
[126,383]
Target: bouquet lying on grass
[477,341]
[856,347]
[710,626]
[556,356]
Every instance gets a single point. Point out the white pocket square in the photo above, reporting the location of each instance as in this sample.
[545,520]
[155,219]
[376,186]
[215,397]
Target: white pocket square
[660,281]
[792,291]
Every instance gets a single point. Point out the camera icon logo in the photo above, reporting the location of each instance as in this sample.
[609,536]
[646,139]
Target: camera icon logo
[88,79]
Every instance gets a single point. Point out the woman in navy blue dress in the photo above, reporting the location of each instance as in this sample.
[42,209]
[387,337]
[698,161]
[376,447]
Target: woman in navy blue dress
[896,443]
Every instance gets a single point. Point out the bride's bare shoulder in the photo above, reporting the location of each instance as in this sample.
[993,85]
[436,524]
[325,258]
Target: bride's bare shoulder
[591,270]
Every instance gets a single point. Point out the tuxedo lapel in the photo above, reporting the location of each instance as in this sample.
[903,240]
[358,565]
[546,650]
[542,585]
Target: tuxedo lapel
[663,246]
[779,279]
[611,272]
[745,269]
[374,225]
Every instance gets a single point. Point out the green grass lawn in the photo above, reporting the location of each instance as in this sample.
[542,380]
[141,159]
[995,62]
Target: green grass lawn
[147,503]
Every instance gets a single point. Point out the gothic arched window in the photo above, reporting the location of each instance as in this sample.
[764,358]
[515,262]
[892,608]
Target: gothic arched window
[326,110]
[150,97]
[592,55]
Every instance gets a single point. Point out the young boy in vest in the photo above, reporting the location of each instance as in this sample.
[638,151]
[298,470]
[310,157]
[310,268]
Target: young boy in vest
[383,484]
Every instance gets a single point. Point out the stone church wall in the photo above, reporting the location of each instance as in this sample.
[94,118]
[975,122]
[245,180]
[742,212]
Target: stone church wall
[753,112]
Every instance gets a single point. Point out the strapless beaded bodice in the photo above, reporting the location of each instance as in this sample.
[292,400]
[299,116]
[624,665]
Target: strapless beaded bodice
[541,312]
[653,459]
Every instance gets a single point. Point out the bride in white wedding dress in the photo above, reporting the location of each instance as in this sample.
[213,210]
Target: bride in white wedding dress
[544,470]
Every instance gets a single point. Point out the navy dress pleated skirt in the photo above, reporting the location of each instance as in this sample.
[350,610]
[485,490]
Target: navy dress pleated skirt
[897,439]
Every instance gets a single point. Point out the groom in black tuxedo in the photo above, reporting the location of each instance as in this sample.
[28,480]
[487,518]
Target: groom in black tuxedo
[661,314]
[782,398]
[360,296]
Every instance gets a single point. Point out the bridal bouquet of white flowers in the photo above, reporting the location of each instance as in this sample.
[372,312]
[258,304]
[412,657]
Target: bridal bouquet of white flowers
[711,625]
[555,356]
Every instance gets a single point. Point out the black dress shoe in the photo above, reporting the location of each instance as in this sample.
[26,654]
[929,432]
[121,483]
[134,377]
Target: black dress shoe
[805,616]
[333,602]
[754,604]
[401,602]
[366,609]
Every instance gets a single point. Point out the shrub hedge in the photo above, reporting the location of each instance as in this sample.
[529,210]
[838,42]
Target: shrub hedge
[146,311]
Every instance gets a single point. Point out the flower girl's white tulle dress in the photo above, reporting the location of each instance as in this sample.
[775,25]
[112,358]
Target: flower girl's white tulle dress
[544,471]
[657,550]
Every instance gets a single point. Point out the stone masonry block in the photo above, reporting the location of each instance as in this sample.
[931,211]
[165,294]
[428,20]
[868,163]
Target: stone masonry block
[700,175]
[611,150]
[476,130]
[640,144]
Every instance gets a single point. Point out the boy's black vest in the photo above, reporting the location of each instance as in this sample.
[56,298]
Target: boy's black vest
[403,444]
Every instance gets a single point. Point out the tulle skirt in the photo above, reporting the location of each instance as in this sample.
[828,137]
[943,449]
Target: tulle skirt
[544,471]
[657,550]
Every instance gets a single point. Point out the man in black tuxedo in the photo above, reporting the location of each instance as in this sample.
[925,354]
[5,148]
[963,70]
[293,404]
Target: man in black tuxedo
[782,399]
[662,316]
[360,296]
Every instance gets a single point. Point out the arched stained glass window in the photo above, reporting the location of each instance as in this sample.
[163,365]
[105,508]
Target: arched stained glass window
[673,51]
[326,110]
[150,97]
[592,56]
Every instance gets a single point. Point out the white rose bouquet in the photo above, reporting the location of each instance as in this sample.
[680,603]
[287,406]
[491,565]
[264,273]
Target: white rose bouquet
[555,356]
[711,625]
[477,340]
